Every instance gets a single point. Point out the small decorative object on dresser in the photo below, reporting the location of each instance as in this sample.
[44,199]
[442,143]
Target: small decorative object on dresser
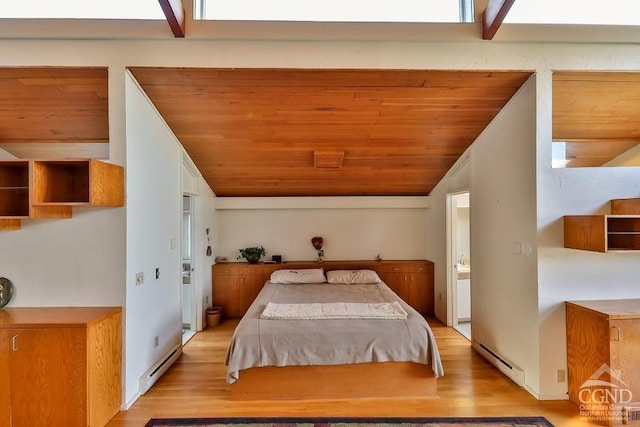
[317,243]
[252,254]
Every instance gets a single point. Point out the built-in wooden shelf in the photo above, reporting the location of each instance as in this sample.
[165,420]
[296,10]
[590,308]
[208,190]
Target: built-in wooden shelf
[77,182]
[617,232]
[14,189]
[50,188]
[625,207]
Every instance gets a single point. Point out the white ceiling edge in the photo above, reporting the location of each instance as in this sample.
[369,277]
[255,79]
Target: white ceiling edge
[328,202]
[136,29]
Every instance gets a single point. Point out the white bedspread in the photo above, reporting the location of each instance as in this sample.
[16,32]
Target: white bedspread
[334,310]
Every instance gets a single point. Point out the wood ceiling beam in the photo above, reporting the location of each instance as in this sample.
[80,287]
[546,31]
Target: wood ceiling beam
[493,15]
[174,12]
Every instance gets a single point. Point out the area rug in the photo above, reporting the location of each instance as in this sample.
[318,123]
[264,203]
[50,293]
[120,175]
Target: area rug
[353,422]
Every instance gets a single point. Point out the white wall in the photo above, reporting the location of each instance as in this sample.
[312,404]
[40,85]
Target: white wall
[67,262]
[570,274]
[503,212]
[154,214]
[351,234]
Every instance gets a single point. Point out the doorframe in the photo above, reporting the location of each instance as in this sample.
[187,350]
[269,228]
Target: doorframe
[193,326]
[452,282]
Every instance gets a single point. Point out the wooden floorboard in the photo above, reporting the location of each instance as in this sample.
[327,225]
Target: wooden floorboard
[195,387]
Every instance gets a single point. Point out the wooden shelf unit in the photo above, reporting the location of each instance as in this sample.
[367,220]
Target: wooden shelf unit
[60,366]
[615,232]
[236,284]
[77,182]
[50,188]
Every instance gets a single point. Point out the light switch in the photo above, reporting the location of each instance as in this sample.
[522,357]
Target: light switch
[516,248]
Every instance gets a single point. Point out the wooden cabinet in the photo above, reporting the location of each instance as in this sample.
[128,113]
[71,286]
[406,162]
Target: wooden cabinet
[50,188]
[616,232]
[603,349]
[413,282]
[60,366]
[235,285]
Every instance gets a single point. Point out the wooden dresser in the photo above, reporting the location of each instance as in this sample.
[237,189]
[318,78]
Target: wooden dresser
[60,366]
[603,344]
[236,284]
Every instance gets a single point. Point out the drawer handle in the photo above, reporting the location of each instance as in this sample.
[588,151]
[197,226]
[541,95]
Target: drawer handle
[617,337]
[14,343]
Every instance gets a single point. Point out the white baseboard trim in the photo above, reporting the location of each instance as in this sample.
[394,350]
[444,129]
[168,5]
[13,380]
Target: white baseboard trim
[130,403]
[545,396]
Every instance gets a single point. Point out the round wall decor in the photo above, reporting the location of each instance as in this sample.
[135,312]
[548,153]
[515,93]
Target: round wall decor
[6,291]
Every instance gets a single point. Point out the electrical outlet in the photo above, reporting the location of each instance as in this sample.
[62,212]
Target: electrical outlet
[156,341]
[206,300]
[139,278]
[560,375]
[157,273]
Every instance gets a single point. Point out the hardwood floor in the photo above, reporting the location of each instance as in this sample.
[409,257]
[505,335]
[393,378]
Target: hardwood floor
[195,387]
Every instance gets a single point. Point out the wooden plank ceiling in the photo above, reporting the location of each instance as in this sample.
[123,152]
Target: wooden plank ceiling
[285,132]
[259,132]
[54,111]
[597,114]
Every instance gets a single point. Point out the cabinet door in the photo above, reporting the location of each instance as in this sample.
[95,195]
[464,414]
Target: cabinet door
[421,292]
[5,385]
[250,286]
[225,290]
[48,377]
[625,352]
[399,283]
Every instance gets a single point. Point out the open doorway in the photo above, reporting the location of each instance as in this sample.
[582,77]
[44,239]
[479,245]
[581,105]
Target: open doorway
[187,285]
[460,256]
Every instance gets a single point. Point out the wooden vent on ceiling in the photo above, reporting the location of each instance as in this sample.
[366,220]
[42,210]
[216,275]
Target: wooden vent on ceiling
[328,159]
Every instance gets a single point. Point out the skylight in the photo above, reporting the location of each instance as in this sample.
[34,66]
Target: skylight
[336,10]
[595,12]
[82,9]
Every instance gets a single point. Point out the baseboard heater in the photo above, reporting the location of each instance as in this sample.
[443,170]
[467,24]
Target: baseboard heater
[512,371]
[159,368]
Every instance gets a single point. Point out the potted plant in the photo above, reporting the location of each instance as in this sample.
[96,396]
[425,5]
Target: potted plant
[252,255]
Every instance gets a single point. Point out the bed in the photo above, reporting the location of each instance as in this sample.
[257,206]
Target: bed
[343,356]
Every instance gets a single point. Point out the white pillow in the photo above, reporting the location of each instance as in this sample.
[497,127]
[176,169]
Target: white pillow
[307,275]
[351,277]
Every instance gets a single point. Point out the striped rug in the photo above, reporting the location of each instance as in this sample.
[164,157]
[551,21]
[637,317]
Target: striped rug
[352,422]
